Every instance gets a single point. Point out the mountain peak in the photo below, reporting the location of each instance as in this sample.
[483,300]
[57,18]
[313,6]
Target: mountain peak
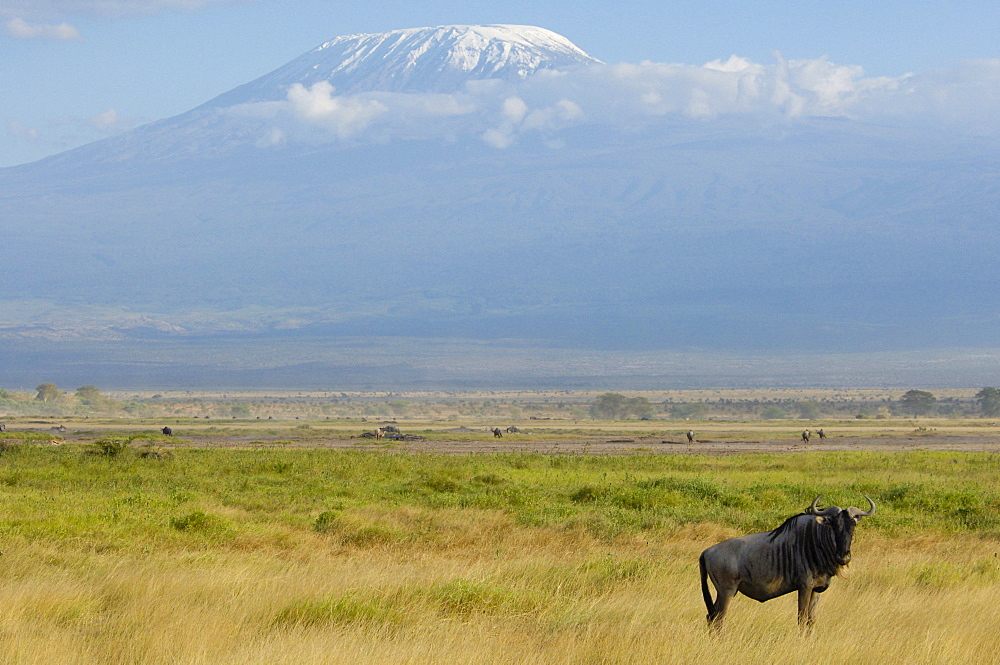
[436,59]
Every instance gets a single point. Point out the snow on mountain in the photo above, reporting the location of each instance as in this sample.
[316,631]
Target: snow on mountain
[439,59]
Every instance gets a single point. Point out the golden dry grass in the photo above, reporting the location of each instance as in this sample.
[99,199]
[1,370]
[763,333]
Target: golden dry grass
[498,594]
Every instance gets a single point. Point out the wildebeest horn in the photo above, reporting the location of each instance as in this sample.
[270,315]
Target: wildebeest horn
[812,509]
[857,512]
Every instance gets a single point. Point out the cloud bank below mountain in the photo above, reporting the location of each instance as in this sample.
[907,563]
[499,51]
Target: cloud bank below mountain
[964,99]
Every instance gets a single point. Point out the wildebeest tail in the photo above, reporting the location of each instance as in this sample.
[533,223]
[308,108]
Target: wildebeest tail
[709,603]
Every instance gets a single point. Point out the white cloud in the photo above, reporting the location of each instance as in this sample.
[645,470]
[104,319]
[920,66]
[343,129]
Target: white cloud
[346,116]
[59,9]
[317,114]
[551,118]
[21,131]
[792,89]
[734,64]
[965,96]
[64,132]
[498,138]
[110,122]
[627,96]
[18,28]
[514,109]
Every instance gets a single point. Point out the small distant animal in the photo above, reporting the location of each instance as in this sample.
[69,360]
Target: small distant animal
[2,427]
[167,431]
[379,433]
[803,554]
[822,435]
[690,436]
[497,434]
[805,436]
[513,430]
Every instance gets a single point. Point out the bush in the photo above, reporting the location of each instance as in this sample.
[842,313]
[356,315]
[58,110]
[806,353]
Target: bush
[586,494]
[615,406]
[155,454]
[198,520]
[343,611]
[326,521]
[112,446]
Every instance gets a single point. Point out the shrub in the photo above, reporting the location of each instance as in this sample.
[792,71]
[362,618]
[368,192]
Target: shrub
[466,597]
[326,521]
[149,453]
[372,535]
[112,446]
[343,611]
[194,521]
[586,494]
[488,479]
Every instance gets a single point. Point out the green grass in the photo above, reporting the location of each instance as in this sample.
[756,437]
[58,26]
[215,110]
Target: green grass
[237,497]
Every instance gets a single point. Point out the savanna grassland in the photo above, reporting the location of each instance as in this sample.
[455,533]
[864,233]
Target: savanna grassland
[123,546]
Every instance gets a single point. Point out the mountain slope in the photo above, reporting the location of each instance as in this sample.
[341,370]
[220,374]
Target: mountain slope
[676,231]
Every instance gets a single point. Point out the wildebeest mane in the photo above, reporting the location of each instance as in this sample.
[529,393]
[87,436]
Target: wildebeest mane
[784,527]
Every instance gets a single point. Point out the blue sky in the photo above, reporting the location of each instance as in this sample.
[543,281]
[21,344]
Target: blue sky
[74,71]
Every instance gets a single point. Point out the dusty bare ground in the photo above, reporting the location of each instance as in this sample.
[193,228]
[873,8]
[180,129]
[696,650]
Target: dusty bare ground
[591,445]
[595,443]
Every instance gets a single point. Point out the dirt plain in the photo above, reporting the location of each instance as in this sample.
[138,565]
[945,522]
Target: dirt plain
[582,439]
[647,445]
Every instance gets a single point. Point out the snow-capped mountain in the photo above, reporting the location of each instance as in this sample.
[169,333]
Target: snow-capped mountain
[373,186]
[411,62]
[426,60]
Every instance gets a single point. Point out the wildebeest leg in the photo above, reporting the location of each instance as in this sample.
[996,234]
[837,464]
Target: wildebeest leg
[807,609]
[723,594]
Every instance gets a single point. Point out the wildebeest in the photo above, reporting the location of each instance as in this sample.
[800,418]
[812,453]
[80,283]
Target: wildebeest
[513,430]
[167,431]
[802,555]
[821,433]
[805,436]
[2,427]
[690,436]
[497,434]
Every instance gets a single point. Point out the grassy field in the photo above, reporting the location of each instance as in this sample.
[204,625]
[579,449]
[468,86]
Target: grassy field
[237,555]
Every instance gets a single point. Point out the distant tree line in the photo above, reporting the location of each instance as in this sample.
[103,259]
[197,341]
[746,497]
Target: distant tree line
[47,399]
[915,403]
[615,406]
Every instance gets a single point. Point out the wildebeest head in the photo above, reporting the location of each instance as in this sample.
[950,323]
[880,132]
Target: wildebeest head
[842,521]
